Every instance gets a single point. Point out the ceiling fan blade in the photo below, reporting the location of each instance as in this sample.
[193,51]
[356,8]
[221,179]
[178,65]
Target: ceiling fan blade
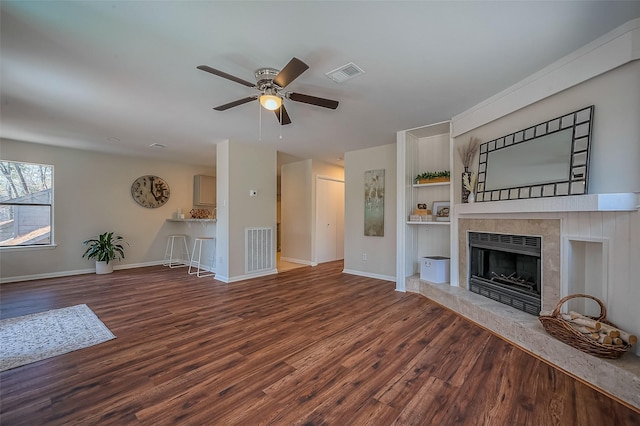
[307,99]
[236,103]
[285,117]
[225,75]
[290,72]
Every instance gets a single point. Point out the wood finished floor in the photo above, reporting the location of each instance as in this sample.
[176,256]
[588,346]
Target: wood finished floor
[310,346]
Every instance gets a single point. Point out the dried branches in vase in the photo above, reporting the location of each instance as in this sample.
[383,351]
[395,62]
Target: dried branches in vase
[468,152]
[469,183]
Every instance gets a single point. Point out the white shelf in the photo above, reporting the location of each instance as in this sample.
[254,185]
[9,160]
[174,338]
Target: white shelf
[429,223]
[572,203]
[423,185]
[189,222]
[192,220]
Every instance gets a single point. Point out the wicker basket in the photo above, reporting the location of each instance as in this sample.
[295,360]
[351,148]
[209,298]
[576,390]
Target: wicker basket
[563,331]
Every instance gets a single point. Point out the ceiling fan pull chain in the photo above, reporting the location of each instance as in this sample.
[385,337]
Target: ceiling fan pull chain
[281,120]
[260,121]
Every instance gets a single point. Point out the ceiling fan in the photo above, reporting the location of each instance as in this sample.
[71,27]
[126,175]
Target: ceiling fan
[270,83]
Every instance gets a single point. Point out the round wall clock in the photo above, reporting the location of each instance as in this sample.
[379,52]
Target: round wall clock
[150,191]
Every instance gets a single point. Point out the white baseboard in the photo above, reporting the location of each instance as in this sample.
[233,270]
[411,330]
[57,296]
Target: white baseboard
[369,275]
[70,273]
[43,276]
[300,261]
[222,278]
[227,280]
[138,265]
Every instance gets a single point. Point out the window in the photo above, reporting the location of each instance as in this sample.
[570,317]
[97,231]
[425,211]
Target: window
[26,204]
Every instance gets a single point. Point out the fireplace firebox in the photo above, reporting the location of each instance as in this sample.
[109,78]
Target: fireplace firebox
[507,268]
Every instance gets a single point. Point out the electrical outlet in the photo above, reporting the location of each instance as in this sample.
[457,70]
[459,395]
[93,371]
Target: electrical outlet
[364,256]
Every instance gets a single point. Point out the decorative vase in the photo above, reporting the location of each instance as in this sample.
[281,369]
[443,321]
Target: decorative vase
[102,267]
[465,191]
[471,198]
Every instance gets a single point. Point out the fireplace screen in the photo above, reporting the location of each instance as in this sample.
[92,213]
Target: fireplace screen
[506,268]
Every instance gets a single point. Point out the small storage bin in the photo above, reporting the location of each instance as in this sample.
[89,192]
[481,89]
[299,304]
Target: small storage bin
[434,269]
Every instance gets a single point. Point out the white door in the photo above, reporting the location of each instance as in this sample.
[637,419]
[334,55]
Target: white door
[329,220]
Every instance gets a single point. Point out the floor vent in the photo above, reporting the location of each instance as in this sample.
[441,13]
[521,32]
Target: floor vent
[259,249]
[345,72]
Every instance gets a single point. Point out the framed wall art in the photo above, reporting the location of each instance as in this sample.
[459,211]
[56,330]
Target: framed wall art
[374,203]
[441,211]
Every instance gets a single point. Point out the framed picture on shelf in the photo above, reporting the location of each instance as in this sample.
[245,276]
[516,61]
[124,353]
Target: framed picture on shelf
[441,211]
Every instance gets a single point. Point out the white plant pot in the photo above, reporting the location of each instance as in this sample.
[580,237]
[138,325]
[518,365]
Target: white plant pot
[103,267]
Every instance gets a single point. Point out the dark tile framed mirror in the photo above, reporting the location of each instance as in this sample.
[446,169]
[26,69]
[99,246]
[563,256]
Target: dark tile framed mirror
[549,159]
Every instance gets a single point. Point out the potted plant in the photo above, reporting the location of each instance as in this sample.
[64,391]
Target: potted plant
[105,248]
[433,177]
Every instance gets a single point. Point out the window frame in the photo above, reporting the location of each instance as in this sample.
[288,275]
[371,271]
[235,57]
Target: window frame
[51,242]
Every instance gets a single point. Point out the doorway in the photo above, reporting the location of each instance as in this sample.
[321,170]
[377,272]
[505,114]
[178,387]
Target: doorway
[329,229]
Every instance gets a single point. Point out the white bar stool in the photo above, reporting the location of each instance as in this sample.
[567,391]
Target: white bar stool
[197,243]
[176,262]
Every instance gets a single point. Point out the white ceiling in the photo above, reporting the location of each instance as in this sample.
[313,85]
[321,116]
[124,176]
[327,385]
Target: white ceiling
[119,76]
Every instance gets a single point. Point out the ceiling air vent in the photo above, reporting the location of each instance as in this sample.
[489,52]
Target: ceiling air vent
[345,72]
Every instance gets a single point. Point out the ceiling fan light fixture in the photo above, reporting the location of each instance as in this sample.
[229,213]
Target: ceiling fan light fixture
[271,102]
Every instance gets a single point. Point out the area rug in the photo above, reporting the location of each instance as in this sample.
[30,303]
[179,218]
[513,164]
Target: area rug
[43,335]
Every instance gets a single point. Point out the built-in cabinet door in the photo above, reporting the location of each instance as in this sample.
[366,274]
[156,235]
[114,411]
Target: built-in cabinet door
[204,190]
[329,220]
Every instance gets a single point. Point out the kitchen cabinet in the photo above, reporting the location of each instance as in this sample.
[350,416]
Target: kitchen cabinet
[204,190]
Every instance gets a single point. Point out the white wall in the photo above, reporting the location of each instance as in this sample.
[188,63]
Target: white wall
[92,194]
[381,259]
[248,167]
[615,144]
[222,209]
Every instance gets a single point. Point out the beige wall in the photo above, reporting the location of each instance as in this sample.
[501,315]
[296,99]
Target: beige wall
[92,195]
[381,258]
[295,204]
[298,207]
[248,167]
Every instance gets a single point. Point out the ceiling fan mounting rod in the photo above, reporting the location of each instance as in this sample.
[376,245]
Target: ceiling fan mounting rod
[264,78]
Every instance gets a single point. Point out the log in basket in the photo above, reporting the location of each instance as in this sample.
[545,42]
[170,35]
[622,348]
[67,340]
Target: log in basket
[562,330]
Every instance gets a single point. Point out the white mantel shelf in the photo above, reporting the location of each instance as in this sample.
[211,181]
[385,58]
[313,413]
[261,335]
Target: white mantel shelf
[620,202]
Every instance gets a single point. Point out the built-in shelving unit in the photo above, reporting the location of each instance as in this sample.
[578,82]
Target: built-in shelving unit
[424,149]
[430,222]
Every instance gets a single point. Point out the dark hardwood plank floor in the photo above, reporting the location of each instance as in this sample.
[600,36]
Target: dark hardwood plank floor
[309,346]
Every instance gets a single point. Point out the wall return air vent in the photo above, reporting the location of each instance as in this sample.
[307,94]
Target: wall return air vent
[345,72]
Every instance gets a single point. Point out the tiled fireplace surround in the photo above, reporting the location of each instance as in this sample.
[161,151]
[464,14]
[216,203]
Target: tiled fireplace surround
[619,378]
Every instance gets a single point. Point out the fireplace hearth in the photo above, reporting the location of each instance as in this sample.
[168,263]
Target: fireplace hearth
[507,268]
